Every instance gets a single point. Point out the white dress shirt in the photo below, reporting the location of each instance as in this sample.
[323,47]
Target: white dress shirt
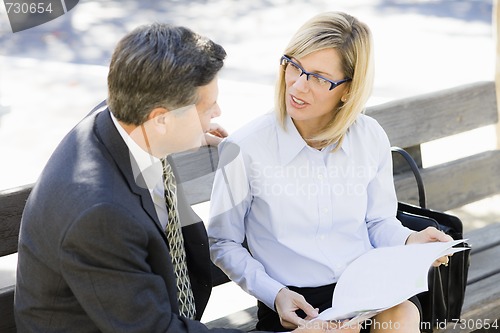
[306,214]
[148,172]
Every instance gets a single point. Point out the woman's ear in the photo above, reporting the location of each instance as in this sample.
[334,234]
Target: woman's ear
[345,95]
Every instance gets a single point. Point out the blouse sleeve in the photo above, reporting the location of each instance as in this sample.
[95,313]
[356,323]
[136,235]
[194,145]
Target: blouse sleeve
[383,226]
[231,200]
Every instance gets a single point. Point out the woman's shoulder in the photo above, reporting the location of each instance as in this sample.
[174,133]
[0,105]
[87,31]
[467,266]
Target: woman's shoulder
[367,122]
[368,126]
[366,132]
[256,130]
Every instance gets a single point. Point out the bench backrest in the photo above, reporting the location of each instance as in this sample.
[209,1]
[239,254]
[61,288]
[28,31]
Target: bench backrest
[409,123]
[11,207]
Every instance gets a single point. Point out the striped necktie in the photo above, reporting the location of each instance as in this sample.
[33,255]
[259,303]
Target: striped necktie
[176,243]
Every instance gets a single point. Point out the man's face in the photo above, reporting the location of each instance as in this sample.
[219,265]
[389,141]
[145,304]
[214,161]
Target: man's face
[187,126]
[172,131]
[207,106]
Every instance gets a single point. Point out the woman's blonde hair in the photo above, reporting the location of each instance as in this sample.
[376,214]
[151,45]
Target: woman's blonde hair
[353,42]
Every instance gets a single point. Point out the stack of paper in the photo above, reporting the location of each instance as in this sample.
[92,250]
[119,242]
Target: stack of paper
[384,277]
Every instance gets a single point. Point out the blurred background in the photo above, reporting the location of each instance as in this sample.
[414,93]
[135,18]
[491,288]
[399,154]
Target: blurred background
[53,74]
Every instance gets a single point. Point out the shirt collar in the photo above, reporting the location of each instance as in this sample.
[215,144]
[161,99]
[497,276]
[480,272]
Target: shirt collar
[346,144]
[291,142]
[147,166]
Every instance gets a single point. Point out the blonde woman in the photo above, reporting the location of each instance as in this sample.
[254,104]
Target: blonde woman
[310,186]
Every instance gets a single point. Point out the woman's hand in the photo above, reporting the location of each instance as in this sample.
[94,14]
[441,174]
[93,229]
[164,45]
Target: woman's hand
[287,302]
[429,235]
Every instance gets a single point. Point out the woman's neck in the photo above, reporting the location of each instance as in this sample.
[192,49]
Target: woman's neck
[308,129]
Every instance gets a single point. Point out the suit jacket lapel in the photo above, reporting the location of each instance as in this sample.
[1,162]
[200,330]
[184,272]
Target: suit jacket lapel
[106,131]
[195,237]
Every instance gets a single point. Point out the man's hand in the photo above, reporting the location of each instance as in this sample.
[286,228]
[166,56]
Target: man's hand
[215,134]
[287,302]
[428,235]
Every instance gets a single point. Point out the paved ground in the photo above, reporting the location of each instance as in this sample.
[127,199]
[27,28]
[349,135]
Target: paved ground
[51,75]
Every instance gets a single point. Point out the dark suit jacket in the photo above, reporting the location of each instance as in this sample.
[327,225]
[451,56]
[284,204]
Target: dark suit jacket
[92,254]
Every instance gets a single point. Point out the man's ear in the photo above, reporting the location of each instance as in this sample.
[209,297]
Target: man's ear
[157,116]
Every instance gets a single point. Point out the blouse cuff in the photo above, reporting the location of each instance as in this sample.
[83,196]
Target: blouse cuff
[269,293]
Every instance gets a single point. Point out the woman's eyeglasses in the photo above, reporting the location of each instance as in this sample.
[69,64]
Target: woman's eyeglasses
[294,70]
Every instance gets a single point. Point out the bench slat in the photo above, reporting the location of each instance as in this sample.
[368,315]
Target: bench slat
[484,238]
[195,164]
[199,190]
[7,323]
[12,203]
[483,265]
[195,171]
[244,320]
[438,114]
[455,183]
[482,301]
[484,254]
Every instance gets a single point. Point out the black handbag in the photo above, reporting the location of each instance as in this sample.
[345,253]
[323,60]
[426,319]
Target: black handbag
[443,302]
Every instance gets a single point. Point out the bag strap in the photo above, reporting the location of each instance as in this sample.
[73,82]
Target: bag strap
[416,173]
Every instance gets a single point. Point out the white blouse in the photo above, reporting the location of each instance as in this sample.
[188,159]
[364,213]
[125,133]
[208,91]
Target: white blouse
[306,214]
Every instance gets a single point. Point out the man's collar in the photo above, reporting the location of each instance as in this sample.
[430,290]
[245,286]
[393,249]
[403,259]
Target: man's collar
[147,166]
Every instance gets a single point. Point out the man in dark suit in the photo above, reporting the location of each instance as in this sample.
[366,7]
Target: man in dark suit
[93,254]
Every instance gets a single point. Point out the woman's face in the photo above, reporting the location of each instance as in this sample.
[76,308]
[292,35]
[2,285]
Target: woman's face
[310,101]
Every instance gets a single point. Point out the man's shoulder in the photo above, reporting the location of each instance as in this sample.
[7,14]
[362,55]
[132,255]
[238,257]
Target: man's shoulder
[80,167]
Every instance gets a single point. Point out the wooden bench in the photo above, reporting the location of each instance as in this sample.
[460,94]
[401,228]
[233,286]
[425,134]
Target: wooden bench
[409,123]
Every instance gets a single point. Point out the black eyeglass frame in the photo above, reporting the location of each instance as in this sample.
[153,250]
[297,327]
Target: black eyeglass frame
[333,84]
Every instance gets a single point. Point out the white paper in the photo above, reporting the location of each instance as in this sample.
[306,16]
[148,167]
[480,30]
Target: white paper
[384,277]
